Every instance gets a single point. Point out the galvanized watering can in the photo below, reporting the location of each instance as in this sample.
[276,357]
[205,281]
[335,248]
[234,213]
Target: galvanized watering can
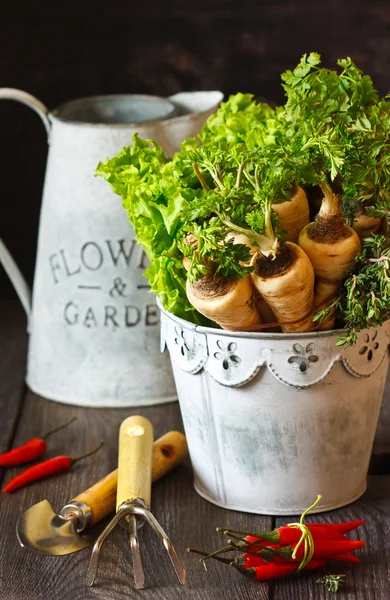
[94,328]
[272,419]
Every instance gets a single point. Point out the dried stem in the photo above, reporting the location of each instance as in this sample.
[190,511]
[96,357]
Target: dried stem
[239,176]
[200,177]
[208,555]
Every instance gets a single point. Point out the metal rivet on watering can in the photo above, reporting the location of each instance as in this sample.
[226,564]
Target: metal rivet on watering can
[94,326]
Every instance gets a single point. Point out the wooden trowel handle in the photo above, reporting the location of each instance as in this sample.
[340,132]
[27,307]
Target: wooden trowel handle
[168,451]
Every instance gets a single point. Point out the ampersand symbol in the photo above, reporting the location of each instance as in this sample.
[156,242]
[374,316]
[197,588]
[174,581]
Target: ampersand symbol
[118,288]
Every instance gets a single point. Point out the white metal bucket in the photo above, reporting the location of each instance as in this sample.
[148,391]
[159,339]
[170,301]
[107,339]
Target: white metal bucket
[94,328]
[272,420]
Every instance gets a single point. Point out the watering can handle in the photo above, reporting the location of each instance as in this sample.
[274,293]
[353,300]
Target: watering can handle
[11,268]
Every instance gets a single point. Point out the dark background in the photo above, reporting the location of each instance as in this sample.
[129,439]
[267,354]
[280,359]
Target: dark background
[59,50]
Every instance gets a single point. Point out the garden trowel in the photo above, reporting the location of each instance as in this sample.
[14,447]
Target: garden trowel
[42,530]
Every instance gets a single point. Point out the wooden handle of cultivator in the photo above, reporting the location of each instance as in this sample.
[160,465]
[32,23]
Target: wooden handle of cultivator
[168,452]
[135,461]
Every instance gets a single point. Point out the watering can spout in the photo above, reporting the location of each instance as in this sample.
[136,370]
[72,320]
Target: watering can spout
[196,102]
[191,111]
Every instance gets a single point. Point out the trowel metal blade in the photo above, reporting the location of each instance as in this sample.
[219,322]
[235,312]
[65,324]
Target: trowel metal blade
[42,530]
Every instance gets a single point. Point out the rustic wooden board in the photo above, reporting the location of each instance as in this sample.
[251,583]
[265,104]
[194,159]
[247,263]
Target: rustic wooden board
[368,580]
[189,520]
[13,347]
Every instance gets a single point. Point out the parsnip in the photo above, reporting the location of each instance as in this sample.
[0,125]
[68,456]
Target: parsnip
[266,314]
[228,302]
[331,262]
[332,247]
[286,282]
[365,225]
[294,213]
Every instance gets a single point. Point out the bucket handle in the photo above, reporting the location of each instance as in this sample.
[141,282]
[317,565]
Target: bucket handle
[10,266]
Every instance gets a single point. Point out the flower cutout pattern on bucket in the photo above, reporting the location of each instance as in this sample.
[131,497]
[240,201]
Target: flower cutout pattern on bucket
[303,356]
[234,359]
[227,355]
[370,345]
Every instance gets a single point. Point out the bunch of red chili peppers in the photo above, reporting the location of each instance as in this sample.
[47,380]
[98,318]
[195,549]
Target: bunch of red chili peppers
[32,449]
[289,549]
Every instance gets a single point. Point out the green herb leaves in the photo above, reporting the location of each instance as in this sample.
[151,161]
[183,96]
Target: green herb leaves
[365,300]
[338,117]
[365,297]
[331,582]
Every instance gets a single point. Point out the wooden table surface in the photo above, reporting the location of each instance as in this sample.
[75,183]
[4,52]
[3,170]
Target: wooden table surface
[189,520]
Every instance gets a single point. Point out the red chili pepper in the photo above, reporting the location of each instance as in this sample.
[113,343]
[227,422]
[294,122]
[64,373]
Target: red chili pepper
[276,558]
[315,563]
[268,571]
[348,557]
[292,535]
[329,548]
[255,560]
[45,469]
[339,527]
[258,544]
[254,567]
[285,536]
[259,559]
[30,450]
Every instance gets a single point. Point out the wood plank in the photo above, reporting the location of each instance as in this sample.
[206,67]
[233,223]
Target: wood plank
[368,580]
[382,437]
[188,519]
[380,459]
[13,348]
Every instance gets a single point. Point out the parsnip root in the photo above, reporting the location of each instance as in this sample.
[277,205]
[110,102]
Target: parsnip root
[288,289]
[331,262]
[332,247]
[229,302]
[364,225]
[293,214]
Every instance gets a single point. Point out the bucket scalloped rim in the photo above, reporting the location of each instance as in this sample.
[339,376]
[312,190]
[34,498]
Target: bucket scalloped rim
[299,360]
